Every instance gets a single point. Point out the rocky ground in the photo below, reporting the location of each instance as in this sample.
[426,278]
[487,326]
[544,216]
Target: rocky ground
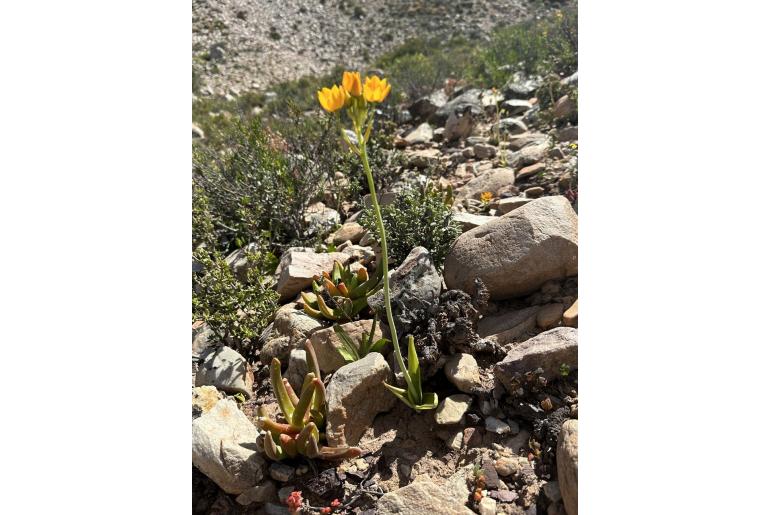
[496,331]
[241,45]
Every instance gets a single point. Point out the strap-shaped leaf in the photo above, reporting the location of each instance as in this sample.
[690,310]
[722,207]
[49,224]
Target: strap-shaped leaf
[281,395]
[401,394]
[300,411]
[430,401]
[312,360]
[336,271]
[348,351]
[289,445]
[327,312]
[292,396]
[379,345]
[272,450]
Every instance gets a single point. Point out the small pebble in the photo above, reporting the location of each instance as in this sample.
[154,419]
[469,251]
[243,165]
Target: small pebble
[497,426]
[281,472]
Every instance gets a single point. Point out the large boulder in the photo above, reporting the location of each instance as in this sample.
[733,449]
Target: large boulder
[549,350]
[298,266]
[325,342]
[414,287]
[224,447]
[567,465]
[515,254]
[355,395]
[225,369]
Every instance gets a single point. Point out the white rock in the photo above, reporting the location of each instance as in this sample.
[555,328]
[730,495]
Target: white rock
[451,410]
[224,448]
[355,395]
[463,372]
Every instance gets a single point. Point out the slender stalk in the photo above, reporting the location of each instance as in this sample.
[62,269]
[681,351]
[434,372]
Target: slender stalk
[384,246]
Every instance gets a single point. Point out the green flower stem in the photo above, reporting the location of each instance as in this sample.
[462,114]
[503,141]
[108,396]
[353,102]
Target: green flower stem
[384,246]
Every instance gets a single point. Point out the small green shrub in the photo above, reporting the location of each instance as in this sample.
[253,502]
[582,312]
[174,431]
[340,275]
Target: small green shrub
[235,311]
[259,183]
[536,46]
[417,217]
[420,66]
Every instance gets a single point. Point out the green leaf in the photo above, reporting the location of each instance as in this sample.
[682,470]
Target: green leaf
[348,350]
[379,344]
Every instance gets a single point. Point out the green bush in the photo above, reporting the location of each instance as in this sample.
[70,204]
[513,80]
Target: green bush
[235,311]
[420,66]
[417,217]
[258,183]
[536,46]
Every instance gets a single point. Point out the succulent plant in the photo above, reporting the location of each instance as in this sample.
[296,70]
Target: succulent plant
[342,294]
[350,351]
[299,434]
[412,395]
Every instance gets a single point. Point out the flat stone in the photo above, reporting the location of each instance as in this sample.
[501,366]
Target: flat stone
[452,409]
[355,395]
[422,134]
[549,315]
[351,231]
[224,448]
[422,498]
[297,267]
[516,106]
[567,465]
[325,342]
[497,426]
[281,472]
[422,159]
[484,151]
[258,494]
[463,372]
[225,369]
[534,192]
[491,180]
[512,126]
[518,252]
[567,134]
[470,221]
[570,318]
[548,350]
[506,205]
[507,326]
[529,171]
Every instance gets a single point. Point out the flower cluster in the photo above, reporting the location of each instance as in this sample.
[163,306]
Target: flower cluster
[373,90]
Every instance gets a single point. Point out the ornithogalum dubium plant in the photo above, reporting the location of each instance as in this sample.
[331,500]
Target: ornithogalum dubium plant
[358,100]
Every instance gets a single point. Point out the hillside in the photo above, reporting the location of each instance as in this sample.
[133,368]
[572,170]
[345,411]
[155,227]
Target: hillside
[240,45]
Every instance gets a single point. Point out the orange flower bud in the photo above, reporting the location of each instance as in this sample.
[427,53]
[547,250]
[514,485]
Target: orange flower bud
[351,81]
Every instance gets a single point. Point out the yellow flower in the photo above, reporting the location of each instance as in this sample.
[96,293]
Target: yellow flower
[351,81]
[376,89]
[486,196]
[332,99]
